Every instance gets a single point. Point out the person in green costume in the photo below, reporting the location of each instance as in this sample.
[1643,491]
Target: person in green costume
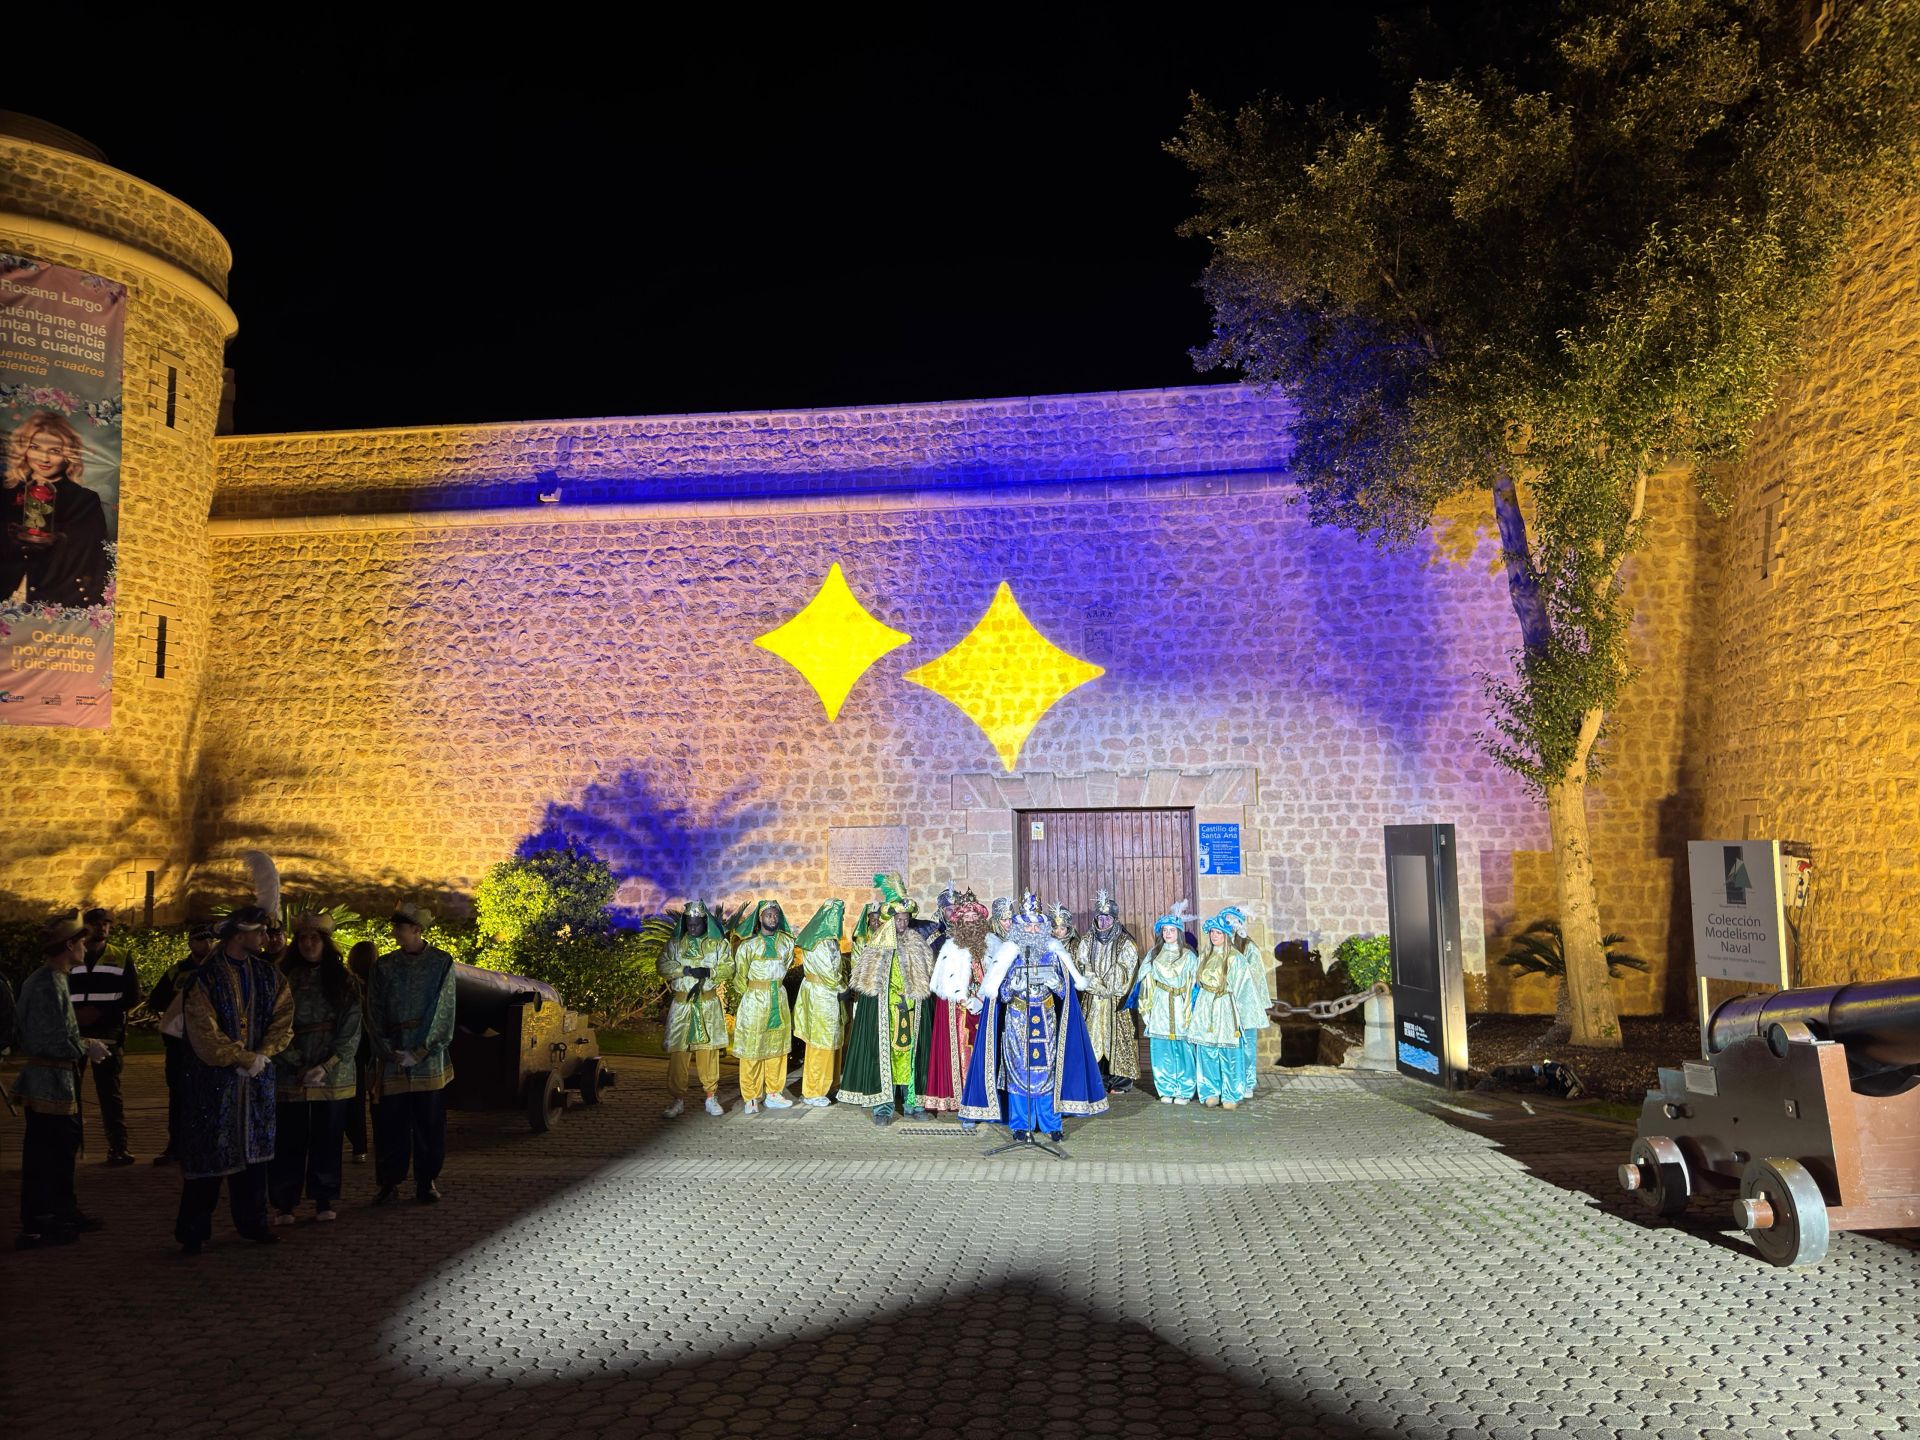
[892,979]
[763,1021]
[819,1014]
[696,965]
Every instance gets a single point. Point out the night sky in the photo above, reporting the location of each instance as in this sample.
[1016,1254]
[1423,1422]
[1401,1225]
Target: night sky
[429,229]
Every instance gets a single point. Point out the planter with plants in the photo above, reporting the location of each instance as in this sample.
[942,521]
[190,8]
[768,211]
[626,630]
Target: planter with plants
[1369,960]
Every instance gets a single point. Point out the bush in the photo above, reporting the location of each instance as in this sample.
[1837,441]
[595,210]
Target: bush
[610,976]
[1368,958]
[546,915]
[151,950]
[557,892]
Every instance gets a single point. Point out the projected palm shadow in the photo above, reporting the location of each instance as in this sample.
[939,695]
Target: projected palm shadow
[206,813]
[659,843]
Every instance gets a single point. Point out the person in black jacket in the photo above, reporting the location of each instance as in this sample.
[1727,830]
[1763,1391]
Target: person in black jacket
[104,986]
[173,1032]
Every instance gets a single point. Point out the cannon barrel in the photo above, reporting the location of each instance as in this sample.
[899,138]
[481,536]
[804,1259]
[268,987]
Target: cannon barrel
[1877,1020]
[481,997]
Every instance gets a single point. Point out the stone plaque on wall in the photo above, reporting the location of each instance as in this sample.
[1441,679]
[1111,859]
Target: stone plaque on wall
[856,853]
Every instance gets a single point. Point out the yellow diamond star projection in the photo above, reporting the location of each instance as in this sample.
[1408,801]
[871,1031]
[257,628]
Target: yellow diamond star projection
[1005,675]
[833,642]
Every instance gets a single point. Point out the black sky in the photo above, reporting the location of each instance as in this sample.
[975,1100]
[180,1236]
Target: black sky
[433,228]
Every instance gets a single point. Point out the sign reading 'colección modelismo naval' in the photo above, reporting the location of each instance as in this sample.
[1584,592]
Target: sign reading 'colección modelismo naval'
[1737,920]
[61,333]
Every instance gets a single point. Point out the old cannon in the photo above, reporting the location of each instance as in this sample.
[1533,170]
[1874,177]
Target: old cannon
[1808,1113]
[515,1044]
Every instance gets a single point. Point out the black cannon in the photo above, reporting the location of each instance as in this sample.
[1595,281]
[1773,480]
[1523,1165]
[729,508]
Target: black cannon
[515,1044]
[1809,1111]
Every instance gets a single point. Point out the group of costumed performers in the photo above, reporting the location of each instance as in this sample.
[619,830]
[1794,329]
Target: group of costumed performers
[990,1014]
[1203,1014]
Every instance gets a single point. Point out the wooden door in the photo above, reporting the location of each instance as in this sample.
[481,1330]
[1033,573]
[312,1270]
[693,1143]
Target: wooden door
[1145,857]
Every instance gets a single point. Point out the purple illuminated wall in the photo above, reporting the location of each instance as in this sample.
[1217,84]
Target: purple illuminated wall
[473,667]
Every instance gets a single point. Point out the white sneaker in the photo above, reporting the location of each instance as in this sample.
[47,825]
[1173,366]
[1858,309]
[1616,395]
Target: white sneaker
[1183,1099]
[1166,1099]
[816,1100]
[714,1107]
[778,1101]
[753,1107]
[674,1109]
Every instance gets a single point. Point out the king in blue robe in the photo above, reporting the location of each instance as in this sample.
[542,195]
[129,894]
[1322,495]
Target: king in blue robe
[1032,1062]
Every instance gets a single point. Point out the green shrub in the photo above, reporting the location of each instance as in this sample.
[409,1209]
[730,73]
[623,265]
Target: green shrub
[546,915]
[561,891]
[153,951]
[1368,958]
[150,949]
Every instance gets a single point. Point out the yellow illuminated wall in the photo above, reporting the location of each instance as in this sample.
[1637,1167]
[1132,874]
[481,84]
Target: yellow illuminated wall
[88,812]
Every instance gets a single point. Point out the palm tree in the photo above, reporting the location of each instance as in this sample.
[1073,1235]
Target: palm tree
[1539,950]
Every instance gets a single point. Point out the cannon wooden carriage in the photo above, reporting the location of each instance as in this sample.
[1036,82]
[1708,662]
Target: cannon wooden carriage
[516,1045]
[1807,1115]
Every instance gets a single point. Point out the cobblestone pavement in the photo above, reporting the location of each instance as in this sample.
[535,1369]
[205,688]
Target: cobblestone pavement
[1342,1258]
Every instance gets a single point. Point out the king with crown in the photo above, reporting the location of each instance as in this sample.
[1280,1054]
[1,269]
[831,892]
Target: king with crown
[1032,1042]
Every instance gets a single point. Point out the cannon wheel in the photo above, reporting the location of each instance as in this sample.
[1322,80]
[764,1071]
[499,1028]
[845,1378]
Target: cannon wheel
[546,1100]
[1669,1185]
[1799,1233]
[589,1085]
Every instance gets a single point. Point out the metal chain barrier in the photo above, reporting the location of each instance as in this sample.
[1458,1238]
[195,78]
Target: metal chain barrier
[1329,1009]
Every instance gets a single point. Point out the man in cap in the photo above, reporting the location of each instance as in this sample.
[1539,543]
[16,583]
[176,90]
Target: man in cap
[167,1002]
[410,1017]
[104,986]
[50,1047]
[238,1014]
[695,966]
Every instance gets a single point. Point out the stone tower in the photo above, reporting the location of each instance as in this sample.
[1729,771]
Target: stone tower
[110,816]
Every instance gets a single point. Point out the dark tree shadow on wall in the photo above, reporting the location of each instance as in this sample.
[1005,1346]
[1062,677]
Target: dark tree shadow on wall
[201,809]
[652,838]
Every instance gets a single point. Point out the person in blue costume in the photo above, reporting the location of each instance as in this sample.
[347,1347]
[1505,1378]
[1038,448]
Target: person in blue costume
[1032,1042]
[238,1014]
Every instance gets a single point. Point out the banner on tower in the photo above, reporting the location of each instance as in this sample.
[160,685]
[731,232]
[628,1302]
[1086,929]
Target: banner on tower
[61,335]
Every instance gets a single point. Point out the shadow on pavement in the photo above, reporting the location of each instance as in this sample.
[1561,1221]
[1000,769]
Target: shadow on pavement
[314,1337]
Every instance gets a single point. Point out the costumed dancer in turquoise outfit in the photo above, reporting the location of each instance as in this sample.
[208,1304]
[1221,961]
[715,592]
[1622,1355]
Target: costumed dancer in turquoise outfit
[1247,978]
[1166,1002]
[1213,1028]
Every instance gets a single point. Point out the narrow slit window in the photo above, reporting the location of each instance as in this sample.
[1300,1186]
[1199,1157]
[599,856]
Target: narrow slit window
[173,394]
[1769,539]
[160,647]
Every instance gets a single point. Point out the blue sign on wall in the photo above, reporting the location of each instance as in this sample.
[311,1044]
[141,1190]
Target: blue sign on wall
[1219,849]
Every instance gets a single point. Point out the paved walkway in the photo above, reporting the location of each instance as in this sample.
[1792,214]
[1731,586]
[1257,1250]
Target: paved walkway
[1342,1258]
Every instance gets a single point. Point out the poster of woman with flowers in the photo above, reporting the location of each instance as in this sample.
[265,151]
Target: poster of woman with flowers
[61,333]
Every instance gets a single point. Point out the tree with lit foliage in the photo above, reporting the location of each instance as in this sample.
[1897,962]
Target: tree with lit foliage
[1579,244]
